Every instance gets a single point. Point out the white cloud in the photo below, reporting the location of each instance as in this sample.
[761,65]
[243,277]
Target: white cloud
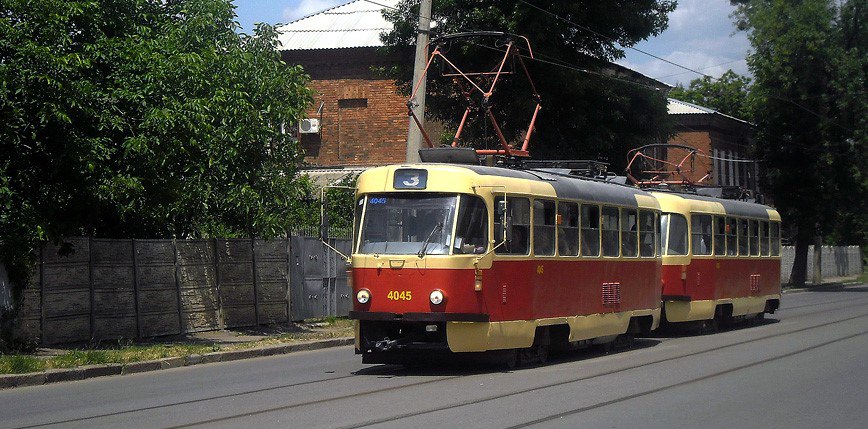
[696,14]
[308,7]
[701,36]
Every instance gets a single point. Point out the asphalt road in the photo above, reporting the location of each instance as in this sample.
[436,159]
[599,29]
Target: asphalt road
[804,367]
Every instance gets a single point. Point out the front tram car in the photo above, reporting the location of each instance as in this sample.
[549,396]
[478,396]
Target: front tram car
[721,259]
[464,258]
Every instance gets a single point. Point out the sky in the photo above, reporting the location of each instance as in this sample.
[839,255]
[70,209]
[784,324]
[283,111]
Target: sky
[701,36]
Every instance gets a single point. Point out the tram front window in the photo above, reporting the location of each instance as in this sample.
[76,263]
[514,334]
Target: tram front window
[407,224]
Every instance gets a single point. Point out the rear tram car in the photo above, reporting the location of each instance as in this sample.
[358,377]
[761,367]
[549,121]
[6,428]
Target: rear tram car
[721,259]
[466,258]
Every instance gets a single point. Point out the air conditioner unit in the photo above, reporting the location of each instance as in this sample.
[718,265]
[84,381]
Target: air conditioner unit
[308,126]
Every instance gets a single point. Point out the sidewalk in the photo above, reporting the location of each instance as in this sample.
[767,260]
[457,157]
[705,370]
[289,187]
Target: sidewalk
[228,345]
[182,350]
[829,283]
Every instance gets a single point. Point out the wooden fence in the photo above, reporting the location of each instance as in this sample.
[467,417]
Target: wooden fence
[112,289]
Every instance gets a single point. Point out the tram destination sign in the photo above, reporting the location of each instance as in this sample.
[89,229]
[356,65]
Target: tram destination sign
[410,178]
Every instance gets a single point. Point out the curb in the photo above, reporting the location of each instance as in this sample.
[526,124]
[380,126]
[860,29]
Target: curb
[8,381]
[818,288]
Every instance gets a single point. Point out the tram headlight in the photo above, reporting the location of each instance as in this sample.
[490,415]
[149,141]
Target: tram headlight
[363,296]
[436,296]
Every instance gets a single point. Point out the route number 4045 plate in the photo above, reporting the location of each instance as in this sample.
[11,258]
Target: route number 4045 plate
[402,295]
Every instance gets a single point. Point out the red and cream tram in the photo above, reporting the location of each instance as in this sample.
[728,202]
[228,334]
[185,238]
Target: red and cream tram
[721,258]
[466,258]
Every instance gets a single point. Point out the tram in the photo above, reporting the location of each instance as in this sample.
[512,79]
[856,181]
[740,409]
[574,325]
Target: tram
[469,258]
[721,259]
[450,256]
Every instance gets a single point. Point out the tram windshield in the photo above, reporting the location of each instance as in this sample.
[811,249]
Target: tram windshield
[407,224]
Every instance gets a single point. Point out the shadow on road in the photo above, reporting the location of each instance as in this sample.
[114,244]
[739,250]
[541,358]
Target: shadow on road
[458,365]
[693,329]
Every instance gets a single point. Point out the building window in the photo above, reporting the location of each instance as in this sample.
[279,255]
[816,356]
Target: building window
[353,103]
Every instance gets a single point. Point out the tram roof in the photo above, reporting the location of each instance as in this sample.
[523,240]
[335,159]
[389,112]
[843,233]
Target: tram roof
[731,207]
[569,187]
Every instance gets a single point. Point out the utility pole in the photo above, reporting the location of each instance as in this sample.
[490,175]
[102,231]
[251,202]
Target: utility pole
[414,135]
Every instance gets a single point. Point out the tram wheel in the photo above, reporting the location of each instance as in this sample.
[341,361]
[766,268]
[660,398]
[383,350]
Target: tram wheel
[511,359]
[624,341]
[542,354]
[710,326]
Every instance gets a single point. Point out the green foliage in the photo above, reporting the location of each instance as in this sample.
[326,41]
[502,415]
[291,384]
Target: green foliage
[142,118]
[18,364]
[585,115]
[727,94]
[809,65]
[339,198]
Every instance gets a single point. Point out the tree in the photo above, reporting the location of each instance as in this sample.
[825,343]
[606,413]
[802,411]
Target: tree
[809,68]
[142,118]
[727,94]
[588,112]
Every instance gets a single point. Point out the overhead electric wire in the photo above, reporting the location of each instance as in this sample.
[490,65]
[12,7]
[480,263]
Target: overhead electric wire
[430,18]
[701,68]
[538,57]
[818,115]
[611,39]
[558,62]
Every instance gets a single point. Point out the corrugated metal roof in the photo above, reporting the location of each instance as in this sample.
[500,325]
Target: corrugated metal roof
[678,107]
[350,25]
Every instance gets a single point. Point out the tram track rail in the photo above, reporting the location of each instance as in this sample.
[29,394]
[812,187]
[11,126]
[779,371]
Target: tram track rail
[686,382]
[852,303]
[624,369]
[529,390]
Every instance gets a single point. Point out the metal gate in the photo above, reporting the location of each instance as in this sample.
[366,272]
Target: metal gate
[318,280]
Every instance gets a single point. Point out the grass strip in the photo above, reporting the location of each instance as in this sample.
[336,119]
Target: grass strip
[121,353]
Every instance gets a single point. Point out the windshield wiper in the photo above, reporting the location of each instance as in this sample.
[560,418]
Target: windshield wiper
[427,241]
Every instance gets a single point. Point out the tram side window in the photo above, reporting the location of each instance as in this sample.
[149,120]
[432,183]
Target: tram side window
[753,231]
[719,235]
[700,230]
[471,233]
[764,238]
[742,238]
[673,226]
[731,237]
[775,238]
[519,211]
[568,229]
[610,231]
[629,233]
[544,227]
[590,230]
[646,233]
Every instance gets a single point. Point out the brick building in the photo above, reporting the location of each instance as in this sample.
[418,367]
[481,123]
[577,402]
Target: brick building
[726,139]
[362,118]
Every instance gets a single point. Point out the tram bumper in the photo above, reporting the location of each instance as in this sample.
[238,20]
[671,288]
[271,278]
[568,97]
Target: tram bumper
[384,337]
